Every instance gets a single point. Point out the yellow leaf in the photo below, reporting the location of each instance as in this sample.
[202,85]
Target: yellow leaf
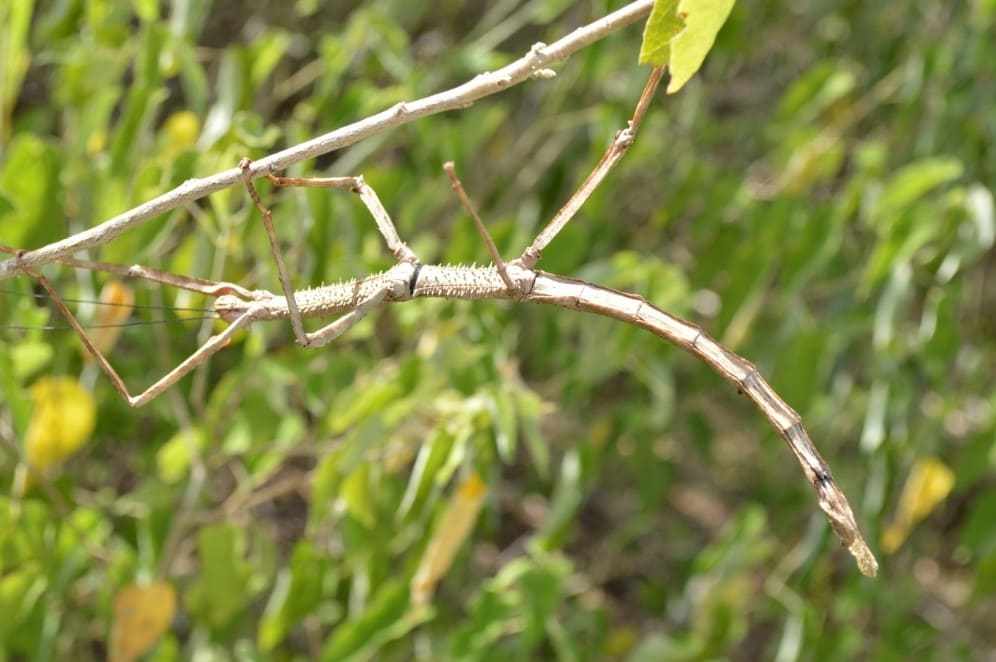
[453,528]
[119,300]
[929,483]
[142,613]
[62,419]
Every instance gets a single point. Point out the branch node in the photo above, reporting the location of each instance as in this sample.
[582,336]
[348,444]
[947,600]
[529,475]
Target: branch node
[625,137]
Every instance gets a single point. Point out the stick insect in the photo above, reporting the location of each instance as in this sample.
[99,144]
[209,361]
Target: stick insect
[516,280]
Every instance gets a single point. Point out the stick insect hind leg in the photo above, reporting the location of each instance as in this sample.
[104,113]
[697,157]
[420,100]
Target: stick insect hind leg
[199,356]
[385,226]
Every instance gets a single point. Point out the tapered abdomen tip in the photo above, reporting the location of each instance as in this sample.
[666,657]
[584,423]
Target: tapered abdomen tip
[866,560]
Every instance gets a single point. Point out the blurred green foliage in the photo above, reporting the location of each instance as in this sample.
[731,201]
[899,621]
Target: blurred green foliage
[819,197]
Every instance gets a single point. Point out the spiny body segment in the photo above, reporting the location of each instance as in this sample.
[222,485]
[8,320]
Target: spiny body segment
[404,281]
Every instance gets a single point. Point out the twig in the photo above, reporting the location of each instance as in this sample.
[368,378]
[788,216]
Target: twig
[462,96]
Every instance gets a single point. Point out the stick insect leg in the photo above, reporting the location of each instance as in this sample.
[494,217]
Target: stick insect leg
[213,344]
[620,143]
[278,258]
[398,248]
[479,224]
[330,332]
[210,288]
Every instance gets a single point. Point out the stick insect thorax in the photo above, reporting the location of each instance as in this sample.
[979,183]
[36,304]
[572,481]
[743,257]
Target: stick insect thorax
[402,282]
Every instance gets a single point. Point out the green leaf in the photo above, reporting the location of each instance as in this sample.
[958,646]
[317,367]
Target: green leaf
[192,77]
[703,19]
[30,181]
[506,424]
[431,456]
[978,533]
[325,484]
[662,26]
[29,357]
[19,592]
[229,92]
[531,408]
[221,588]
[356,496]
[360,638]
[173,458]
[913,182]
[522,598]
[567,498]
[679,35]
[656,647]
[15,19]
[264,54]
[364,403]
[140,109]
[147,10]
[187,17]
[297,593]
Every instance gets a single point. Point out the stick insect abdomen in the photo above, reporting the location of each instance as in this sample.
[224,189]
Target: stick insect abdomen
[588,297]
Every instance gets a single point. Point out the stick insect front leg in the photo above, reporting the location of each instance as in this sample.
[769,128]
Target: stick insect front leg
[620,144]
[204,286]
[201,285]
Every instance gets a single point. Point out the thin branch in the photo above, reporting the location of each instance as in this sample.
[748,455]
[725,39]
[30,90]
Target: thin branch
[462,96]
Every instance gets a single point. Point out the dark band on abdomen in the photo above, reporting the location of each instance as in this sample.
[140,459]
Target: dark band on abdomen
[413,281]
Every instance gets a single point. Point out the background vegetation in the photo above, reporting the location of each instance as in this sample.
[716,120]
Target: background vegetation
[819,198]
